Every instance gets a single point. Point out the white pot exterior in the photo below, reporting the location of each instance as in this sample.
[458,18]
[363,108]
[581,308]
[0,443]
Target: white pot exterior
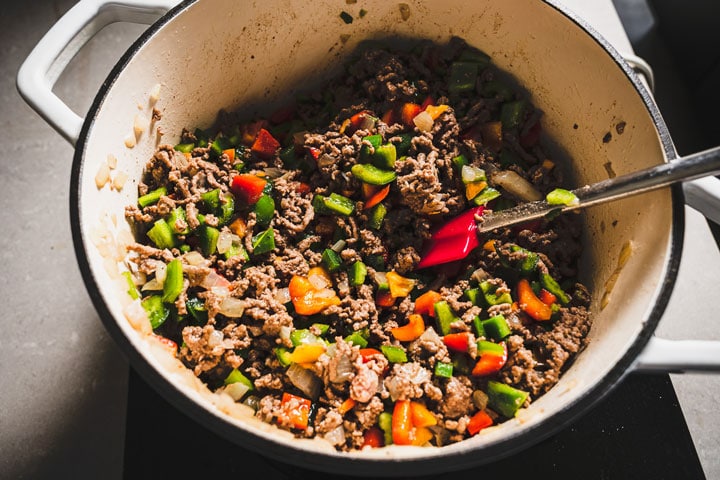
[260,51]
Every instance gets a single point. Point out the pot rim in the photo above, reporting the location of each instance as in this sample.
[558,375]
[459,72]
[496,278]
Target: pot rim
[338,463]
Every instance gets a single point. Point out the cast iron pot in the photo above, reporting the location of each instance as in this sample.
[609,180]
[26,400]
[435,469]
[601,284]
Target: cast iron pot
[263,51]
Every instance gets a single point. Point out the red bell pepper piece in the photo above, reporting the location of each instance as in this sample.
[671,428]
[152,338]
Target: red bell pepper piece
[373,437]
[531,136]
[457,342]
[314,152]
[390,117]
[295,410]
[490,361]
[547,298]
[265,146]
[249,131]
[377,197]
[429,100]
[248,187]
[408,112]
[384,299]
[530,303]
[368,352]
[479,421]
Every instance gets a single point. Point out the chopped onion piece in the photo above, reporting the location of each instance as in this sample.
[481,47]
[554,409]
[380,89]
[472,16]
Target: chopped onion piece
[516,185]
[471,174]
[305,380]
[325,160]
[224,242]
[102,176]
[283,295]
[140,124]
[237,390]
[213,279]
[155,94]
[380,278]
[274,172]
[423,121]
[318,281]
[285,332]
[160,273]
[152,285]
[339,246]
[194,258]
[343,371]
[232,307]
[111,161]
[325,293]
[215,338]
[336,436]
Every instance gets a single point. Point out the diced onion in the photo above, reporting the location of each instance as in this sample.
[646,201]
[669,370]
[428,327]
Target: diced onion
[471,174]
[318,282]
[194,258]
[343,371]
[102,176]
[152,285]
[325,160]
[213,279]
[336,436]
[283,295]
[274,172]
[423,121]
[380,278]
[140,124]
[215,338]
[232,307]
[237,390]
[480,399]
[285,332]
[160,273]
[155,94]
[516,185]
[305,380]
[325,293]
[339,246]
[224,241]
[111,161]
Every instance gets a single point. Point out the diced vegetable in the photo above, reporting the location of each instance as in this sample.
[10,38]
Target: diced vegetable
[357,338]
[385,424]
[248,187]
[236,376]
[376,216]
[309,300]
[492,358]
[151,198]
[512,113]
[394,354]
[463,76]
[421,416]
[425,303]
[331,260]
[496,327]
[305,353]
[369,173]
[377,197]
[264,209]
[264,242]
[479,421]
[505,399]
[357,274]
[402,423]
[399,286]
[295,410]
[334,203]
[410,331]
[490,294]
[265,145]
[457,342]
[444,370]
[530,303]
[132,288]
[161,234]
[553,287]
[173,285]
[156,310]
[283,356]
[408,112]
[486,195]
[208,239]
[444,316]
[560,196]
[373,437]
[178,221]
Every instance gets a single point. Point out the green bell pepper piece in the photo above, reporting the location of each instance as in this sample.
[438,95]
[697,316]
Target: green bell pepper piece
[151,198]
[162,235]
[385,156]
[197,310]
[478,325]
[385,424]
[132,288]
[369,173]
[490,297]
[444,370]
[334,203]
[178,213]
[394,354]
[403,144]
[208,239]
[497,89]
[496,327]
[505,399]
[357,338]
[236,376]
[463,76]
[264,242]
[376,216]
[358,272]
[560,196]
[444,316]
[331,260]
[512,114]
[283,355]
[156,310]
[552,286]
[173,281]
[264,209]
[487,194]
[184,147]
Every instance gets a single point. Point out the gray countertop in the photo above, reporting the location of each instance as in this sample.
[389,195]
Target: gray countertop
[64,382]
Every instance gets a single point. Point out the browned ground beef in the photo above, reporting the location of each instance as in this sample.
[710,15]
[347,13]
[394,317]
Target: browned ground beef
[320,145]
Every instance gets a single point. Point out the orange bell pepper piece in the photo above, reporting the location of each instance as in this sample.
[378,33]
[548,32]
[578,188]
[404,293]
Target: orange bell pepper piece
[307,300]
[479,421]
[377,197]
[307,353]
[399,286]
[384,299]
[402,423]
[421,416]
[408,112]
[425,303]
[411,331]
[530,303]
[421,435]
[230,152]
[346,406]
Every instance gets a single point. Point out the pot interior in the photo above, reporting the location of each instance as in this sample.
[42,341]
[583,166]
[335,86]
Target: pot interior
[265,52]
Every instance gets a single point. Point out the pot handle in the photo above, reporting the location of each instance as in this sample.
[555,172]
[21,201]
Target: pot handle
[41,69]
[679,356]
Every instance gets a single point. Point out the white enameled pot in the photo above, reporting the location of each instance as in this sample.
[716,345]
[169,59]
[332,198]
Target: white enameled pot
[207,55]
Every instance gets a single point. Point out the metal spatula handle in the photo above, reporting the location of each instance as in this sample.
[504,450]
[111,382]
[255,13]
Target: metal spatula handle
[686,168]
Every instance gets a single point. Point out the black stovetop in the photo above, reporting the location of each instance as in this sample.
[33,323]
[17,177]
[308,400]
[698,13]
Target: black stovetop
[638,431]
